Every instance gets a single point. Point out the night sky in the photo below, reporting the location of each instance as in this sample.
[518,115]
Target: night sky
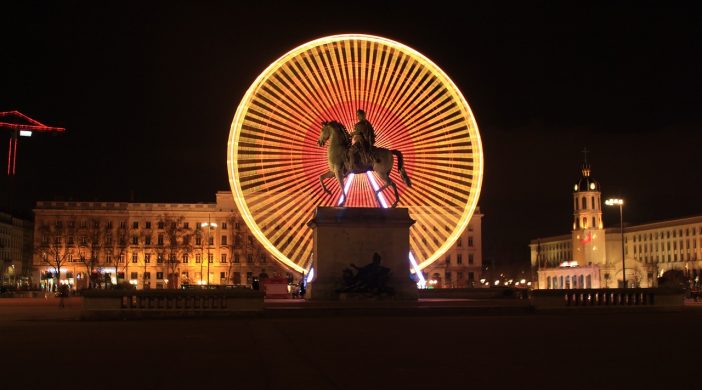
[148,92]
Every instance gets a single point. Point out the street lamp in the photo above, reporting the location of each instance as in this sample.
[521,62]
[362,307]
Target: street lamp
[209,226]
[620,203]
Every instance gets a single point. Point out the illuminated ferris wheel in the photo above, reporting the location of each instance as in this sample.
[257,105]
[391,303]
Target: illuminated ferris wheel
[274,162]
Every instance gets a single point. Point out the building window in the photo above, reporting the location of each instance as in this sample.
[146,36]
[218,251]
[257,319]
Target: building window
[210,257]
[594,225]
[135,225]
[236,258]
[198,258]
[159,275]
[459,259]
[459,243]
[147,240]
[159,258]
[173,258]
[147,258]
[583,203]
[471,276]
[185,258]
[470,241]
[198,240]
[448,276]
[108,240]
[160,225]
[224,258]
[186,225]
[83,224]
[249,258]
[223,276]
[108,225]
[108,259]
[470,258]
[160,239]
[224,240]
[263,258]
[224,225]
[148,225]
[147,275]
[121,258]
[210,240]
[122,224]
[134,276]
[459,276]
[593,203]
[448,259]
[135,258]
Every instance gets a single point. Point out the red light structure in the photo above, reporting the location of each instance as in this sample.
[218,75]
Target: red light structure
[20,125]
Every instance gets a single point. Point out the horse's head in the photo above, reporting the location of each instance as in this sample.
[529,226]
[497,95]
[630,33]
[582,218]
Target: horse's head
[324,134]
[335,133]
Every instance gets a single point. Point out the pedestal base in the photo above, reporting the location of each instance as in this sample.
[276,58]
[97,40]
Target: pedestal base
[345,236]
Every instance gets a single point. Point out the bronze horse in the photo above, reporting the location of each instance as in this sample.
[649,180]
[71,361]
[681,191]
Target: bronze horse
[341,163]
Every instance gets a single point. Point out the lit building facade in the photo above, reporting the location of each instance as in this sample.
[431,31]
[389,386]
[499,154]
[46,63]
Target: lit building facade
[591,256]
[461,265]
[149,245]
[15,250]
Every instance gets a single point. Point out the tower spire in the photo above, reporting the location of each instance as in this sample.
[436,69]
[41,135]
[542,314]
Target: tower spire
[586,166]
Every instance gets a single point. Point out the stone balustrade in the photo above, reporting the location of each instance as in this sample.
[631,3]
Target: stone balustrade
[622,298]
[98,304]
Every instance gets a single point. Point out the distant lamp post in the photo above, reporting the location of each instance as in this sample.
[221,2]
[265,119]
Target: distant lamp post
[209,226]
[620,203]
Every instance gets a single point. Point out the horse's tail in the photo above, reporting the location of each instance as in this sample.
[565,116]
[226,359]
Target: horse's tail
[401,167]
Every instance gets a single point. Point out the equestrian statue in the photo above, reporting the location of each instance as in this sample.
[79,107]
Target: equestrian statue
[357,153]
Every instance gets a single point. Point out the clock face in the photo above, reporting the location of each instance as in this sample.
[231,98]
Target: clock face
[576,187]
[592,186]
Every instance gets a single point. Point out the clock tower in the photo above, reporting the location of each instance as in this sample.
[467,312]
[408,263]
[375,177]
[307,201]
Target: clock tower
[588,230]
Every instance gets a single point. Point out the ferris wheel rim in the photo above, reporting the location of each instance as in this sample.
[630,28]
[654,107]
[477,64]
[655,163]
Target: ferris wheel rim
[235,133]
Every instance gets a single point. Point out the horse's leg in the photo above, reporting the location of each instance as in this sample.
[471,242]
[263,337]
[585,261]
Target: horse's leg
[340,178]
[327,175]
[388,183]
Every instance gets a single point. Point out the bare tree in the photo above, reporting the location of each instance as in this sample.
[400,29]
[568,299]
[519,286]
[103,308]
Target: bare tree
[54,249]
[117,247]
[234,245]
[89,247]
[171,245]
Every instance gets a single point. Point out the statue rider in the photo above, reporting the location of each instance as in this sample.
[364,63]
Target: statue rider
[363,137]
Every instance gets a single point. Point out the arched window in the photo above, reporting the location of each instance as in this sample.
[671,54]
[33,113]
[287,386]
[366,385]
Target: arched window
[594,225]
[592,199]
[588,282]
[583,224]
[575,281]
[575,200]
[583,203]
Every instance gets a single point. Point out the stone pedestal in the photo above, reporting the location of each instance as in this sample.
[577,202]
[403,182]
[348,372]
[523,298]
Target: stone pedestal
[345,235]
